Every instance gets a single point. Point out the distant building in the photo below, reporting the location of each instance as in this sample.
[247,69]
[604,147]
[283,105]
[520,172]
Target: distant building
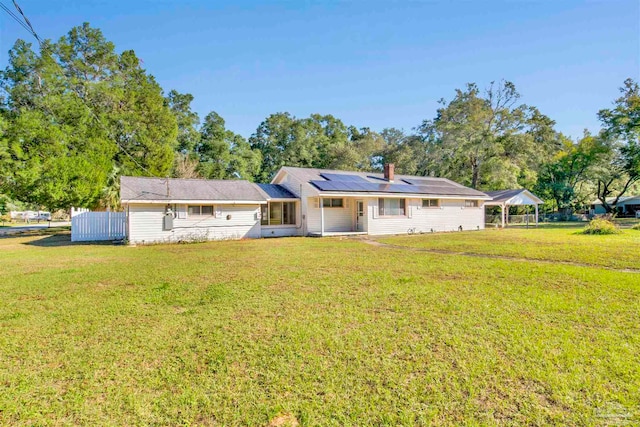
[627,206]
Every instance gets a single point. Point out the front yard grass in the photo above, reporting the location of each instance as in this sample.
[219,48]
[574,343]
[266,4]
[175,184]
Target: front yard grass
[551,243]
[329,331]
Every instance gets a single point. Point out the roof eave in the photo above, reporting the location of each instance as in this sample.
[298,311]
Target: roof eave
[192,202]
[404,195]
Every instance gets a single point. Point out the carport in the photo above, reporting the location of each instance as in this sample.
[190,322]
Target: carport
[508,198]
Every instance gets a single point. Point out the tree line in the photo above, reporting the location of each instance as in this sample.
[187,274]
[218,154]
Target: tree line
[77,114]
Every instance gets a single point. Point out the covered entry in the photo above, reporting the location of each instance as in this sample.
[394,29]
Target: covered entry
[341,216]
[507,198]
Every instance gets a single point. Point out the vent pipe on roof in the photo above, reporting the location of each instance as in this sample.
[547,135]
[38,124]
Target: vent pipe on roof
[389,171]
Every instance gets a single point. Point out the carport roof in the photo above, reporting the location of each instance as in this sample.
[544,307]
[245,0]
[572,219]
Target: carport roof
[519,196]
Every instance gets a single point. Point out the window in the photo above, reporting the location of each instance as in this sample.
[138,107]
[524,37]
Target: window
[470,203]
[289,213]
[275,213]
[195,210]
[278,213]
[332,203]
[391,207]
[430,203]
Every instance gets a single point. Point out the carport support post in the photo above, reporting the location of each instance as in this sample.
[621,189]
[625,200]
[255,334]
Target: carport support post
[536,205]
[506,210]
[320,199]
[502,214]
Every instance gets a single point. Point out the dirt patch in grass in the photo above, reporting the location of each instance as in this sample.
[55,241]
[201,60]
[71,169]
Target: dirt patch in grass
[284,420]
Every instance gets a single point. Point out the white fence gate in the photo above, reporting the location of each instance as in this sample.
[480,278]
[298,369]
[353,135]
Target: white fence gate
[91,226]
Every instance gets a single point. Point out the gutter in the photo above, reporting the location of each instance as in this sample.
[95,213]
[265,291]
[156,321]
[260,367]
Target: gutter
[404,196]
[194,202]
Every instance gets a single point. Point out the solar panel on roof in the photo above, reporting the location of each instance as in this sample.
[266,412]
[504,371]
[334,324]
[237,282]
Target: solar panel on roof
[425,181]
[350,186]
[371,187]
[342,177]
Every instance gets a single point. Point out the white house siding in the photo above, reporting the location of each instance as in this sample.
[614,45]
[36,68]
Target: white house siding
[335,219]
[291,183]
[449,216]
[145,224]
[280,231]
[312,215]
[301,190]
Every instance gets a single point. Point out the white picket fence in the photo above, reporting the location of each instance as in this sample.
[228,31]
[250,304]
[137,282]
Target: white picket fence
[89,226]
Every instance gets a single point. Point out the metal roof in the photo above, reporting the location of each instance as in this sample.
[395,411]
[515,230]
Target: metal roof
[140,189]
[621,201]
[275,191]
[367,182]
[502,196]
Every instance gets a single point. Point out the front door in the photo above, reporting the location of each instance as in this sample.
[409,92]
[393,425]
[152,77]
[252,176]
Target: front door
[359,215]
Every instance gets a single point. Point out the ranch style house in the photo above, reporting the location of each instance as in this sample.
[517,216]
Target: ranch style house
[297,202]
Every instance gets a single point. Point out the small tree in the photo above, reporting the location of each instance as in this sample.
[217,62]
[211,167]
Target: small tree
[4,209]
[561,178]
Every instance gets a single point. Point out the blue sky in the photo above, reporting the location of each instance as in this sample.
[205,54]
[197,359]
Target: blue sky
[375,64]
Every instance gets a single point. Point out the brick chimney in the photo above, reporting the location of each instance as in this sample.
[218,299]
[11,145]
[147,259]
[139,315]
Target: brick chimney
[389,171]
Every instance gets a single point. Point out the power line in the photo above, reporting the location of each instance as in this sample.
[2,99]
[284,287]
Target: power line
[15,17]
[18,20]
[15,3]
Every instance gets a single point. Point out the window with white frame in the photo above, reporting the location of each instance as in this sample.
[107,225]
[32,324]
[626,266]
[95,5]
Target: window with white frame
[470,203]
[332,203]
[200,210]
[278,213]
[264,214]
[430,203]
[391,207]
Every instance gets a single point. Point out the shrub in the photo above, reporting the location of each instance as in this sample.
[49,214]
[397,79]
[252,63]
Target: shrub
[601,226]
[60,215]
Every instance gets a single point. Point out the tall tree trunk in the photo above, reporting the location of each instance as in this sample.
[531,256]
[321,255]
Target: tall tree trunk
[475,174]
[603,192]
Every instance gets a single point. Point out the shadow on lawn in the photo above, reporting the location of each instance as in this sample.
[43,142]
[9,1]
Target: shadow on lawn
[550,225]
[63,239]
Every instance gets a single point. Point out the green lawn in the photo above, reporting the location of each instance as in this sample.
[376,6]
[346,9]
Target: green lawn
[552,243]
[329,331]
